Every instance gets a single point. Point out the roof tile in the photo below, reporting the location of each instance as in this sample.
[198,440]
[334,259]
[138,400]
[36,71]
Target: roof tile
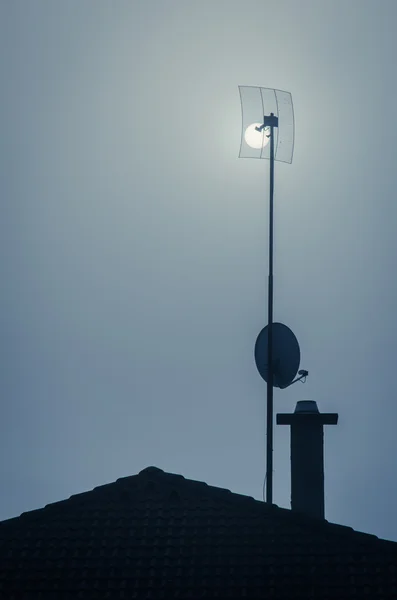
[159,535]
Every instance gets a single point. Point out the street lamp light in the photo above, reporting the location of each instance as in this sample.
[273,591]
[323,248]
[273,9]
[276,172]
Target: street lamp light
[268,132]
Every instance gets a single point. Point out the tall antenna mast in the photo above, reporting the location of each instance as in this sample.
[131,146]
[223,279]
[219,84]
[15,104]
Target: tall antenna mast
[277,353]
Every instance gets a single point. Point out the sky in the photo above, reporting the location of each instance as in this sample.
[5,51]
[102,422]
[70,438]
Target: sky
[133,245]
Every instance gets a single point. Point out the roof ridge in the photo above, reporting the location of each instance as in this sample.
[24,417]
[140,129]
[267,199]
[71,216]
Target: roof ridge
[172,486]
[151,470]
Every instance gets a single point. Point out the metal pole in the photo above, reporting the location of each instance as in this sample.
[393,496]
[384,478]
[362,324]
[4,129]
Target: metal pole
[269,424]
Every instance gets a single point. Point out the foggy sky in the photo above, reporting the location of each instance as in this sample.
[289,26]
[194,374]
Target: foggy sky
[133,245]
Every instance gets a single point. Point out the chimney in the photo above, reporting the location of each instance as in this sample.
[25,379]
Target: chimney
[307,456]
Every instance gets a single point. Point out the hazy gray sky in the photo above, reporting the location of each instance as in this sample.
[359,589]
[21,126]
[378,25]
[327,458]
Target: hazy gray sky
[134,245]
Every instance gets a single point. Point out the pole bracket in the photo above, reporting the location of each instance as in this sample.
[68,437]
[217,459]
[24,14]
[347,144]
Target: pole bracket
[268,121]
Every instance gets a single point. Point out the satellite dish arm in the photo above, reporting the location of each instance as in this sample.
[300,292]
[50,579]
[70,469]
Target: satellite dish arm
[302,377]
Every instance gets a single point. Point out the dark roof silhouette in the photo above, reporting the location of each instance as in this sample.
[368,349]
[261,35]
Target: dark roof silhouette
[158,535]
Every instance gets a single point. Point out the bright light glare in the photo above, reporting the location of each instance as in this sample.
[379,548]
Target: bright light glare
[256,139]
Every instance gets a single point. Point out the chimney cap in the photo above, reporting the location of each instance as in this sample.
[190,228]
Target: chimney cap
[306,412]
[306,406]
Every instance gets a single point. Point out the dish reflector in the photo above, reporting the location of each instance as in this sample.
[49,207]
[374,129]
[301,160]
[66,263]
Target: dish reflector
[286,355]
[256,102]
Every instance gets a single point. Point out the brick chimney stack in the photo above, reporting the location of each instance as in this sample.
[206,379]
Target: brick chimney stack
[307,456]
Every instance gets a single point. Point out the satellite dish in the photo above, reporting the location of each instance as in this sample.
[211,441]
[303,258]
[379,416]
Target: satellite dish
[286,355]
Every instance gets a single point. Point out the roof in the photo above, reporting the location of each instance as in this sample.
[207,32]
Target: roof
[158,535]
